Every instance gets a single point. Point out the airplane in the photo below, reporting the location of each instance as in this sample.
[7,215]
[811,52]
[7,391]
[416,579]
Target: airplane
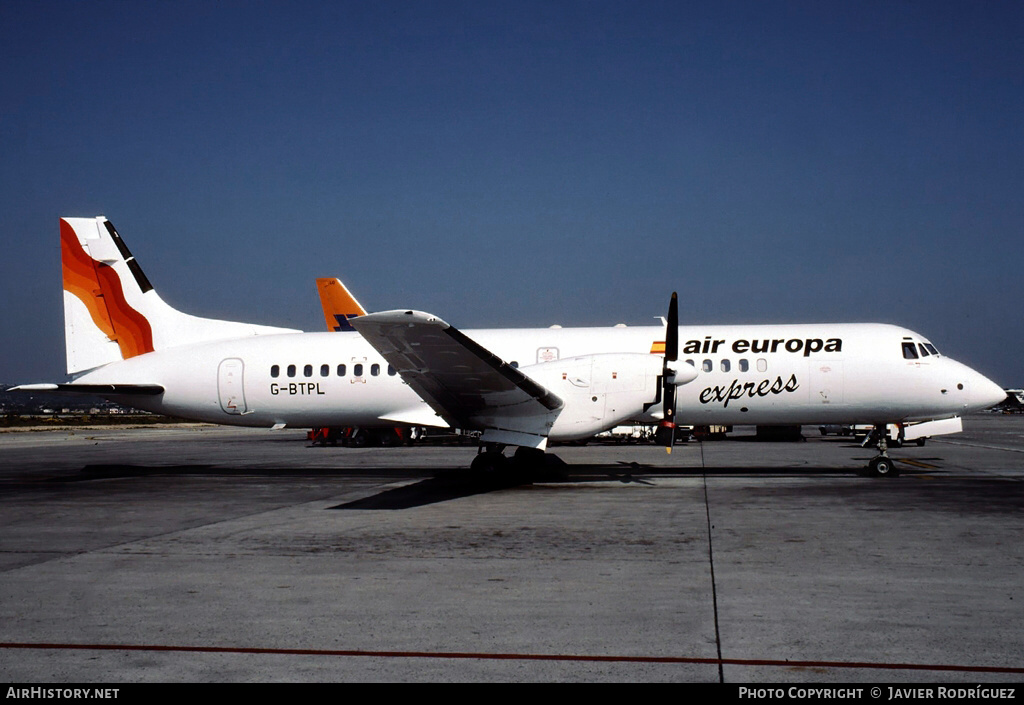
[338,303]
[521,388]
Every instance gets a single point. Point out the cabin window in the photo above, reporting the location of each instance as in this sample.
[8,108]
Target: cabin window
[762,365]
[291,370]
[391,371]
[357,370]
[744,365]
[307,370]
[909,351]
[374,369]
[325,370]
[275,371]
[707,366]
[341,370]
[691,363]
[726,365]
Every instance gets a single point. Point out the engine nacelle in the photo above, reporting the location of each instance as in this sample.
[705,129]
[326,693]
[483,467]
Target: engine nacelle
[599,391]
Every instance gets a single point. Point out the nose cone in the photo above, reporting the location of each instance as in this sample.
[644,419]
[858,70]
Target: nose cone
[985,393]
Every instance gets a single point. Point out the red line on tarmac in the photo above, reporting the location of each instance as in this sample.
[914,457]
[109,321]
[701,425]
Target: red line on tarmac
[517,657]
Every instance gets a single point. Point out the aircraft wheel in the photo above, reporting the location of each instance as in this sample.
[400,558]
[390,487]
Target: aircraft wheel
[389,438]
[528,459]
[883,467]
[491,462]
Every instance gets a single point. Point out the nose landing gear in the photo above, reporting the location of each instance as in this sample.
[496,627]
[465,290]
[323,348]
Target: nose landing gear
[882,465]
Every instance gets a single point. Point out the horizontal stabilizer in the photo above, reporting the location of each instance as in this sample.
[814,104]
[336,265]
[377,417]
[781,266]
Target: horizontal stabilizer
[98,389]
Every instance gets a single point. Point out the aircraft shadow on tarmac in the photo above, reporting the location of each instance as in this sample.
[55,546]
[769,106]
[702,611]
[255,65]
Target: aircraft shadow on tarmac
[984,495]
[458,483]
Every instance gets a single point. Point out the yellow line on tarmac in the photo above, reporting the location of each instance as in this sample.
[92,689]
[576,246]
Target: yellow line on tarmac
[917,463]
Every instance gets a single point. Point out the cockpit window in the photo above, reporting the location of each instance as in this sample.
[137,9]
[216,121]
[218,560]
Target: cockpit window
[931,349]
[923,349]
[909,351]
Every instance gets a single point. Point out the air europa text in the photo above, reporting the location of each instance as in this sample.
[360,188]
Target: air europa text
[765,345]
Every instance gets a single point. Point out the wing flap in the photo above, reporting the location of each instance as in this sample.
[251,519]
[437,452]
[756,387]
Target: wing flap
[419,416]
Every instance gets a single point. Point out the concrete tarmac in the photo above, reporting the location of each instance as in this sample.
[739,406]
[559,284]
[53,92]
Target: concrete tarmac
[205,554]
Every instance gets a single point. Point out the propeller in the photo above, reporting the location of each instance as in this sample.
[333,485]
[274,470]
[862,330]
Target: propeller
[666,433]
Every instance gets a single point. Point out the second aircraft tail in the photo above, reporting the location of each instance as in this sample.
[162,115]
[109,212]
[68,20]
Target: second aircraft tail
[338,303]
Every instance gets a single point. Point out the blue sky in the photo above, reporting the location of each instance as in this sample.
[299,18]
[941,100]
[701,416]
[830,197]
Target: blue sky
[526,163]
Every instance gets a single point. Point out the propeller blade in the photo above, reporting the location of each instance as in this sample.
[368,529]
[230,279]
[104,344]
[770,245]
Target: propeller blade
[672,330]
[666,433]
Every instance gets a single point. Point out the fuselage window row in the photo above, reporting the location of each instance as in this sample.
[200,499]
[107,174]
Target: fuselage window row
[743,365]
[325,370]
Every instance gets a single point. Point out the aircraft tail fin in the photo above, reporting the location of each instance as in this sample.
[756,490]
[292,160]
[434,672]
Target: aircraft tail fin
[111,310]
[338,303]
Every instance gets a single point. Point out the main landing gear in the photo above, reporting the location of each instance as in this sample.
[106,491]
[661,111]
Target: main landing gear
[490,459]
[882,465]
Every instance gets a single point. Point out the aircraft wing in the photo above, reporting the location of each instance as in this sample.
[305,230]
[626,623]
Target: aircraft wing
[466,384]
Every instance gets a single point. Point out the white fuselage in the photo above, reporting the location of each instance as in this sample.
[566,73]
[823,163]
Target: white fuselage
[787,374]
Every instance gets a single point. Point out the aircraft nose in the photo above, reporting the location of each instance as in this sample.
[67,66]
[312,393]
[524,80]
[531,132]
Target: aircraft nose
[985,393]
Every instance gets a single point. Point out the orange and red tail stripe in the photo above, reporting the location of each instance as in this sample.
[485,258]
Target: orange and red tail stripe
[98,286]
